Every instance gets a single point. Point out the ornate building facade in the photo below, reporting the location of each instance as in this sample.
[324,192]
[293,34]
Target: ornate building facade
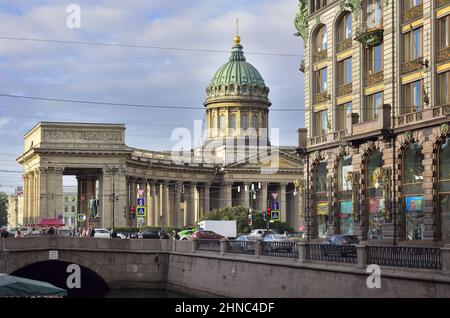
[377,117]
[236,166]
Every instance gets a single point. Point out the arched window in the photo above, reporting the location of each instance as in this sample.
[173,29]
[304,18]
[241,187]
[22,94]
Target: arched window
[374,203]
[233,121]
[444,189]
[255,121]
[345,28]
[320,181]
[222,122]
[412,191]
[320,45]
[345,204]
[244,121]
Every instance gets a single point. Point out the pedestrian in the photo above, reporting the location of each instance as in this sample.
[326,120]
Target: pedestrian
[91,232]
[17,233]
[51,231]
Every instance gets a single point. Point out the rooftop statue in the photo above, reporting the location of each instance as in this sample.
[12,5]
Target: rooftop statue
[301,21]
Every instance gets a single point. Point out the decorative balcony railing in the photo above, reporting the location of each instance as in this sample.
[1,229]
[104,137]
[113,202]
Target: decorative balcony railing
[320,56]
[443,110]
[373,79]
[369,35]
[321,98]
[314,141]
[441,3]
[344,90]
[340,134]
[410,118]
[412,14]
[415,65]
[344,45]
[443,55]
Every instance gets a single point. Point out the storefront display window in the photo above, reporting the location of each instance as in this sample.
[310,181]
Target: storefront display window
[444,188]
[412,191]
[345,206]
[375,203]
[321,199]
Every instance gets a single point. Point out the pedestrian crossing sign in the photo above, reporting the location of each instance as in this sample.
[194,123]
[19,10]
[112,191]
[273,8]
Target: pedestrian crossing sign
[275,215]
[141,211]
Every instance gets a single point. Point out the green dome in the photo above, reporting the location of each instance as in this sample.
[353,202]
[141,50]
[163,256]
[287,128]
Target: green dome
[237,78]
[237,71]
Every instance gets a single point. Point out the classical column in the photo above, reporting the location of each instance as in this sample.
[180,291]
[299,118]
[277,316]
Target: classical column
[190,213]
[157,204]
[178,217]
[150,203]
[263,195]
[26,192]
[165,203]
[31,211]
[228,194]
[114,193]
[55,193]
[206,199]
[245,195]
[283,201]
[172,220]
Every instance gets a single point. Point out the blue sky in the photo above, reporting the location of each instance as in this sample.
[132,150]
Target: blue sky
[138,76]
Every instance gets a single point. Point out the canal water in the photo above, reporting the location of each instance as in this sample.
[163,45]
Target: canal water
[148,293]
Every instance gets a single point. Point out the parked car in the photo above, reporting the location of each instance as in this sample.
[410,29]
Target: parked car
[152,234]
[186,234]
[24,231]
[338,245]
[206,235]
[262,232]
[102,233]
[64,232]
[277,238]
[247,238]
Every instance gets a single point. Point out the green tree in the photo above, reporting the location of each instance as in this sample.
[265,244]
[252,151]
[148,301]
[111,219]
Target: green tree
[3,209]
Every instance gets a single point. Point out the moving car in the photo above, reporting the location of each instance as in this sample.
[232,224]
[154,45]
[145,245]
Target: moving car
[64,232]
[104,233]
[340,245]
[242,242]
[186,234]
[272,243]
[152,234]
[24,231]
[262,232]
[206,235]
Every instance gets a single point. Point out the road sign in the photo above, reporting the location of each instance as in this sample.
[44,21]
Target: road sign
[140,202]
[275,205]
[275,215]
[60,217]
[275,195]
[141,211]
[140,193]
[81,217]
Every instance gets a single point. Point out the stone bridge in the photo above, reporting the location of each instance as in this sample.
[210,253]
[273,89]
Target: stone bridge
[179,265]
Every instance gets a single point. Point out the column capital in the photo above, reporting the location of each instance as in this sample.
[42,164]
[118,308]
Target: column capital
[228,184]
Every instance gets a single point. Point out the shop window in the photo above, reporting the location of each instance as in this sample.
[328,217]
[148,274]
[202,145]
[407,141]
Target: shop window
[375,203]
[412,191]
[444,189]
[345,204]
[321,199]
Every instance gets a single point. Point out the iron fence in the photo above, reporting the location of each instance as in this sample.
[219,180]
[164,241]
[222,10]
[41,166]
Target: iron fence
[280,249]
[241,247]
[405,256]
[331,253]
[207,245]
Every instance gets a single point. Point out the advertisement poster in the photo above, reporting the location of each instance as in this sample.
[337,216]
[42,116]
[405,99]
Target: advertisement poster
[346,208]
[374,205]
[322,208]
[414,204]
[346,186]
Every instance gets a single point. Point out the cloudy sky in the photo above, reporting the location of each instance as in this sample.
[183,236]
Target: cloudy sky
[137,75]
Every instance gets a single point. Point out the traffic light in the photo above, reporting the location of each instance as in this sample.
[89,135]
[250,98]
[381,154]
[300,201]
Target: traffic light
[132,212]
[269,215]
[125,212]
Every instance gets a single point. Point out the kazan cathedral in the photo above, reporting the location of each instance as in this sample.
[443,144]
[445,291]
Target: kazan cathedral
[237,165]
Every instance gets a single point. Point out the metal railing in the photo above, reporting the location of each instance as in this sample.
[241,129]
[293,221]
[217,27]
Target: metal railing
[404,256]
[331,253]
[241,247]
[207,245]
[280,249]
